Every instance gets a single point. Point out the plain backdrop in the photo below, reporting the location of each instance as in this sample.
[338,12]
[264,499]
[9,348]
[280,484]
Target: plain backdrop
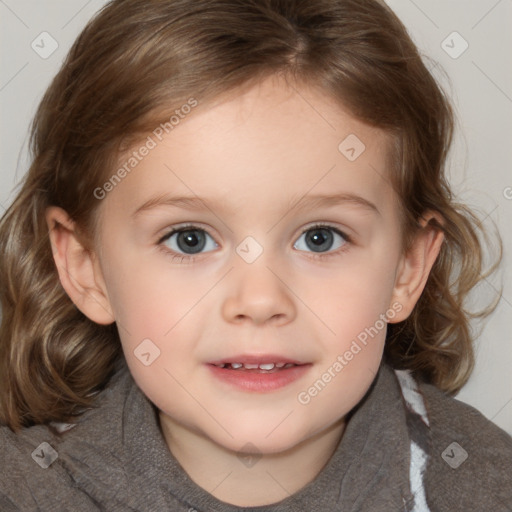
[469,39]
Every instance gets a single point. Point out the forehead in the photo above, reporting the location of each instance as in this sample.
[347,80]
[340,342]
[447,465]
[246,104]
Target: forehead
[273,143]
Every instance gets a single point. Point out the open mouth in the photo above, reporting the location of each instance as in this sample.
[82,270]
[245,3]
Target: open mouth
[255,367]
[258,373]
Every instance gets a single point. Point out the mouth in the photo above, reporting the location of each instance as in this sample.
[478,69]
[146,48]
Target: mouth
[258,373]
[256,367]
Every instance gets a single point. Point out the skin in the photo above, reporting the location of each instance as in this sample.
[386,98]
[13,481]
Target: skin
[250,156]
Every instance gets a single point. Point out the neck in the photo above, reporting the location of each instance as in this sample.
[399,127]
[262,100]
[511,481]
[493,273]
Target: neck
[249,480]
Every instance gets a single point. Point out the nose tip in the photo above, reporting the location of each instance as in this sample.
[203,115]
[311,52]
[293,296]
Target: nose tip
[255,293]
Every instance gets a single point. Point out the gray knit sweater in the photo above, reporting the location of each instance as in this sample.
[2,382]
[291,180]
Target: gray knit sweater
[404,449]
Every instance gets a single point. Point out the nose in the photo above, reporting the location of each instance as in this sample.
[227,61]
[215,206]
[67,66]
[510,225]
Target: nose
[258,294]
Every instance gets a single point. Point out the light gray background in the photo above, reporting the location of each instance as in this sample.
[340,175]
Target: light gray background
[480,84]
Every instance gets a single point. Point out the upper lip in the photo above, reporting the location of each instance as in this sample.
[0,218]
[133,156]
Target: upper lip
[257,359]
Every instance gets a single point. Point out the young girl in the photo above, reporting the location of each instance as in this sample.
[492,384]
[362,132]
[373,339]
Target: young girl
[234,277]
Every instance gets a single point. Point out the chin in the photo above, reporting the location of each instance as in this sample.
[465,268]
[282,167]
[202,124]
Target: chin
[263,438]
[259,445]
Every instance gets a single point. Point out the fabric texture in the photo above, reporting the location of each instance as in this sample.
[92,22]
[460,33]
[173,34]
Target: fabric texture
[407,447]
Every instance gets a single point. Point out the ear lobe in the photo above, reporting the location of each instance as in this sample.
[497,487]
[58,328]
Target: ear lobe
[75,264]
[416,264]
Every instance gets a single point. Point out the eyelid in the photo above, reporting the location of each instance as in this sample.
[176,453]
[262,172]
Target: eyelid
[327,225]
[348,241]
[184,227]
[190,258]
[314,225]
[182,258]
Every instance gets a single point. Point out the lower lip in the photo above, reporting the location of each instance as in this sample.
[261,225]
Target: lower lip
[259,382]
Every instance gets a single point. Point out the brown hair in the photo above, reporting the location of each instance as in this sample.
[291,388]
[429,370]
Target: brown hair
[133,64]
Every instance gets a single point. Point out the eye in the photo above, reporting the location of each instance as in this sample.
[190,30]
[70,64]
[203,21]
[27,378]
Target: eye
[188,240]
[321,239]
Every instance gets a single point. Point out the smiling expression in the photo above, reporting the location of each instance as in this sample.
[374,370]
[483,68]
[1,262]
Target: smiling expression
[250,235]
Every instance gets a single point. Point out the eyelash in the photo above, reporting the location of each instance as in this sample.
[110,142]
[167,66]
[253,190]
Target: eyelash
[337,252]
[180,258]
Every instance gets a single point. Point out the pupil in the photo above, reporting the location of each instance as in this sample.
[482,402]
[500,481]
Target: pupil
[191,242]
[319,240]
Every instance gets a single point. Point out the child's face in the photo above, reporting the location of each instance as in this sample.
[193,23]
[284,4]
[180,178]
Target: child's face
[258,289]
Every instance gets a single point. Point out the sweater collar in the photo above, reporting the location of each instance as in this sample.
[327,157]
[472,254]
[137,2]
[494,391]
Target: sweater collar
[368,471]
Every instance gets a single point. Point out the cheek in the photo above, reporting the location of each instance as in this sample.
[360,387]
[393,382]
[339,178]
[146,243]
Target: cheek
[159,323]
[352,299]
[151,299]
[351,348]
[331,394]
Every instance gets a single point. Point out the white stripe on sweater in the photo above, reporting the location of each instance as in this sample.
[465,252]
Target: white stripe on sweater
[418,465]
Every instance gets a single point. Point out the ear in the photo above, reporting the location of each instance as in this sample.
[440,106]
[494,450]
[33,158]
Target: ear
[78,268]
[415,266]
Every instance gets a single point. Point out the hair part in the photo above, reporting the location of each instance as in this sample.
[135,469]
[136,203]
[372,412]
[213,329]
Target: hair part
[131,67]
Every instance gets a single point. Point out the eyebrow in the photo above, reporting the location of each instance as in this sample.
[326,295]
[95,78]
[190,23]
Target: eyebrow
[307,202]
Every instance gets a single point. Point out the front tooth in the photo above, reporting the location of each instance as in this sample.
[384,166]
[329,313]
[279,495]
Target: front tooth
[267,366]
[236,365]
[280,365]
[250,366]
